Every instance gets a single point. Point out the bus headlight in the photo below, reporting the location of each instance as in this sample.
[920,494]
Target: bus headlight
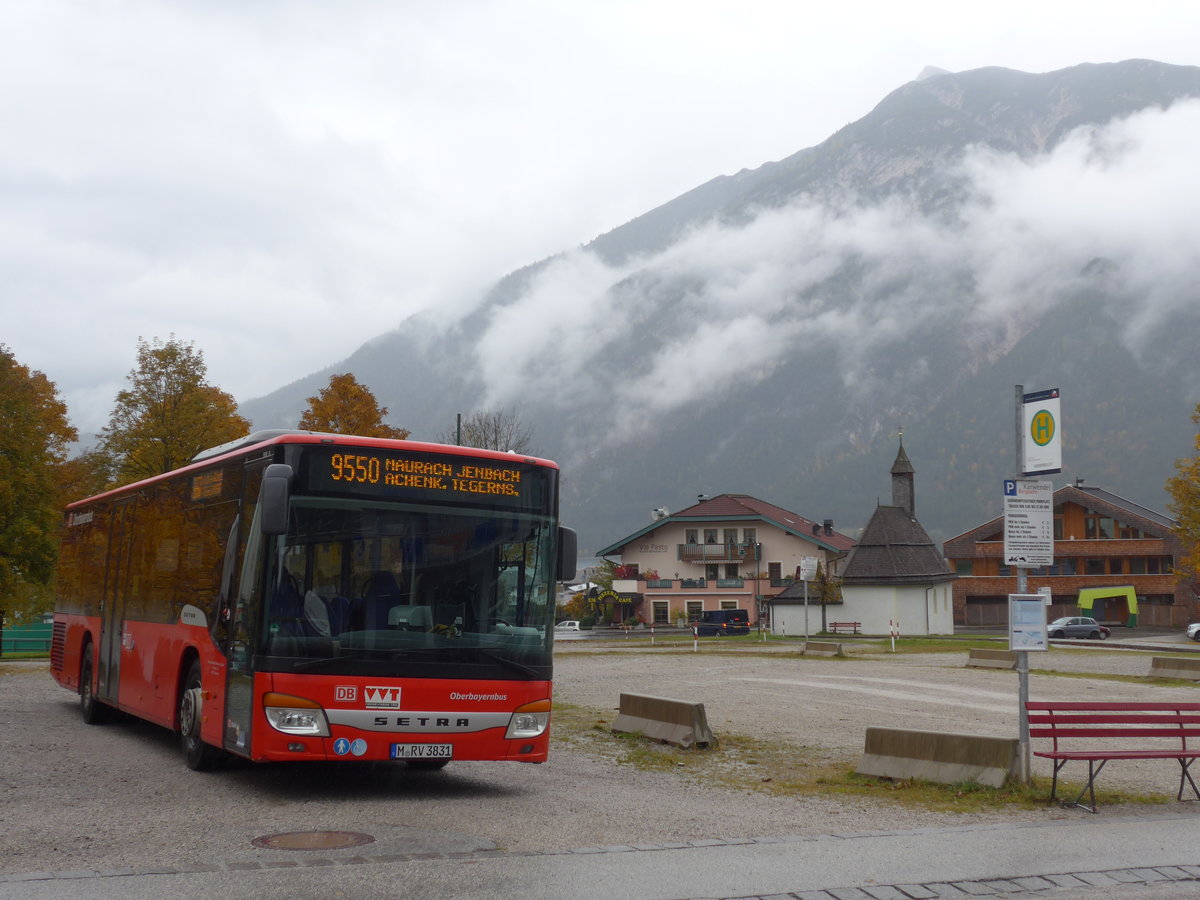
[529,721]
[295,715]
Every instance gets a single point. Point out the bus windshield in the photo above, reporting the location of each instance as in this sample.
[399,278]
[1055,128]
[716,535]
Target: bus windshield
[360,587]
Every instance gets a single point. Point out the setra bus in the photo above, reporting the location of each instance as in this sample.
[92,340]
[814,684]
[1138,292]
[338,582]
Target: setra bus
[302,596]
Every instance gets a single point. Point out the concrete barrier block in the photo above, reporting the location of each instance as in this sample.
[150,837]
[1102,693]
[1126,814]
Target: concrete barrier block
[992,659]
[938,756]
[679,722]
[822,648]
[1175,667]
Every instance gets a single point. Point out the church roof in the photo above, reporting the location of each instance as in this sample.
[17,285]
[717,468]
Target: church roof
[894,549]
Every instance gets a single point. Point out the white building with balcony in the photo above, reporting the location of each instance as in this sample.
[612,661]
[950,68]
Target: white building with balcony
[732,551]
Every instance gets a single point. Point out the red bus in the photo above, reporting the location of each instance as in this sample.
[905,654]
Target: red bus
[303,596]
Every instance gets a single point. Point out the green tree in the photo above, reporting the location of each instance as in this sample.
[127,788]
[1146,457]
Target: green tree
[1184,488]
[346,406]
[168,414]
[499,428]
[33,450]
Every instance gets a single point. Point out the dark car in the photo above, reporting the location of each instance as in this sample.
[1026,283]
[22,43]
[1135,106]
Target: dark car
[1077,627]
[723,621]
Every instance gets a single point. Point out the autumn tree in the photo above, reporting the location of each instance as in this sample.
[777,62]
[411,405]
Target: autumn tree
[347,406]
[33,449]
[1184,488]
[168,414]
[499,428]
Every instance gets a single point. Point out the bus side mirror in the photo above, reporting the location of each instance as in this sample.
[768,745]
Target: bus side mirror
[567,551]
[273,497]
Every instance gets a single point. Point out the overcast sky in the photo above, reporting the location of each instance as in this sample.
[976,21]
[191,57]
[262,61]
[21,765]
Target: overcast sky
[279,182]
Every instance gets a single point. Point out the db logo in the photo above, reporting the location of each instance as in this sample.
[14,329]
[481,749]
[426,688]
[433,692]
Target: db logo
[345,693]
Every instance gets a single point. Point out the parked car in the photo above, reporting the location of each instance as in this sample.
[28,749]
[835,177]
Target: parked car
[567,625]
[1077,627]
[722,622]
[1194,631]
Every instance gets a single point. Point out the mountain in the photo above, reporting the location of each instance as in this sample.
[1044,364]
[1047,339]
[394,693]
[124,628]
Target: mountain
[770,332]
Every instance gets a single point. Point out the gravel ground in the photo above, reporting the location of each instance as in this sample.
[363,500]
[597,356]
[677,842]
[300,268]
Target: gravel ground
[79,797]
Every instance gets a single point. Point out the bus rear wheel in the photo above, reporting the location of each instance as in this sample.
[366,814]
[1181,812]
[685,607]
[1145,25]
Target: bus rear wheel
[94,712]
[198,755]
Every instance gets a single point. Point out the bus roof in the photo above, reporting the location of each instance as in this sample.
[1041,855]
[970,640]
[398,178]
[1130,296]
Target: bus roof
[290,436]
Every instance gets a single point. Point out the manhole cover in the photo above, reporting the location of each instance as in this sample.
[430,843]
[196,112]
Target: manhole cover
[313,840]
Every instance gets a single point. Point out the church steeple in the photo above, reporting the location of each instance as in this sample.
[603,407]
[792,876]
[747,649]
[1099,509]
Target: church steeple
[903,489]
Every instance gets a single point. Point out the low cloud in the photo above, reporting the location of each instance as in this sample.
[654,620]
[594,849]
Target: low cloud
[725,301]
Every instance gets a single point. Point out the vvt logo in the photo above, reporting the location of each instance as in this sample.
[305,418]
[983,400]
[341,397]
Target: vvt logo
[382,697]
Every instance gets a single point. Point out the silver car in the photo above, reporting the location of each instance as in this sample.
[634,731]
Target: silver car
[1194,631]
[1077,627]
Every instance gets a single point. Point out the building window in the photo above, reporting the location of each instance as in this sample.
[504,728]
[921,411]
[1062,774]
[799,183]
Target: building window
[661,612]
[690,536]
[730,535]
[712,571]
[1116,566]
[965,566]
[1058,528]
[729,604]
[710,535]
[1063,566]
[1093,567]
[750,535]
[1128,532]
[694,608]
[731,570]
[775,572]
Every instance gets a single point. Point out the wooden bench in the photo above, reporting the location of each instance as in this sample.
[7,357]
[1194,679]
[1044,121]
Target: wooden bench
[844,627]
[1101,731]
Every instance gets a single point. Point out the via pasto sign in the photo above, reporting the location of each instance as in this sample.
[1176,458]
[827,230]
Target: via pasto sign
[1028,523]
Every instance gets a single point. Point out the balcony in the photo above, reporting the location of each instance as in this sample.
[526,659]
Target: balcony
[730,553]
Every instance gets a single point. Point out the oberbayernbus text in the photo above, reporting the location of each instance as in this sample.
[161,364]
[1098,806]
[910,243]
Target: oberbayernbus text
[303,596]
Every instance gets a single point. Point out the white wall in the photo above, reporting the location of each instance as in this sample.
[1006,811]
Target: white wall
[657,550]
[919,610]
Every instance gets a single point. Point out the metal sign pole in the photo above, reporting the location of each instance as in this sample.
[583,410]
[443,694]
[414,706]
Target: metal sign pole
[1022,655]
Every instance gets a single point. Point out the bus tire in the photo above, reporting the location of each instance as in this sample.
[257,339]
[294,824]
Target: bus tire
[94,712]
[427,765]
[199,756]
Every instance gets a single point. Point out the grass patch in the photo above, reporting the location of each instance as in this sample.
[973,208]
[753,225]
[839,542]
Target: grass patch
[781,768]
[1126,679]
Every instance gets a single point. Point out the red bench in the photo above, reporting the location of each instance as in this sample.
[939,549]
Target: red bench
[839,627]
[1102,731]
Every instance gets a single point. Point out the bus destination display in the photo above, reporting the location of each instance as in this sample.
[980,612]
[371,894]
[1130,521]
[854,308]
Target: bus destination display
[365,471]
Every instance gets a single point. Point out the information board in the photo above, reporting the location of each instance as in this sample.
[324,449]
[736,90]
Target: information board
[1028,523]
[1027,622]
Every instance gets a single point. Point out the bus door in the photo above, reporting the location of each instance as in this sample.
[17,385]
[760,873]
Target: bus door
[112,603]
[245,614]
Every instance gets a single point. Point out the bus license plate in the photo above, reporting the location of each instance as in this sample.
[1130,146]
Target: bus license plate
[422,751]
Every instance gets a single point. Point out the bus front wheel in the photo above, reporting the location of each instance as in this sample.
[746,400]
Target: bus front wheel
[199,755]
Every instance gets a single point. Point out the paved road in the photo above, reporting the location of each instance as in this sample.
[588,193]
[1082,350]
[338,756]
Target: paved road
[1134,857]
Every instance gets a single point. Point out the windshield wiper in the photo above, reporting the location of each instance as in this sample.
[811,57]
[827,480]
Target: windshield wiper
[493,656]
